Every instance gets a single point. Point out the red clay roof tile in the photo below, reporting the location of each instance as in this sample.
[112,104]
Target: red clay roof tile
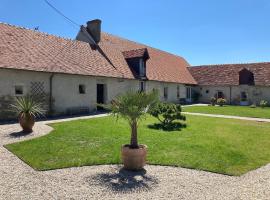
[136,53]
[228,74]
[26,49]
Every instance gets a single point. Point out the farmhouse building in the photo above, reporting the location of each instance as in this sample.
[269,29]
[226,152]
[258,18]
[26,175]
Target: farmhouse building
[72,76]
[242,84]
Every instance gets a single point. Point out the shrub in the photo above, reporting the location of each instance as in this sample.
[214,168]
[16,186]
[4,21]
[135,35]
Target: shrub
[166,113]
[253,105]
[213,101]
[221,101]
[263,103]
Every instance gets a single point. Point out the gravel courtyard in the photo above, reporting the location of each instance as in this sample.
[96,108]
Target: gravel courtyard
[19,181]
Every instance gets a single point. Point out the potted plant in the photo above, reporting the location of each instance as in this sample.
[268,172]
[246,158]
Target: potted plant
[221,101]
[132,106]
[28,109]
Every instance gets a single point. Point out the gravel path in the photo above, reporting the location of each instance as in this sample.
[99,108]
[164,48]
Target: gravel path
[19,181]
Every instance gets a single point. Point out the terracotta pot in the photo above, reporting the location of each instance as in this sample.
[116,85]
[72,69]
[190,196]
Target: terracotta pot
[27,122]
[134,159]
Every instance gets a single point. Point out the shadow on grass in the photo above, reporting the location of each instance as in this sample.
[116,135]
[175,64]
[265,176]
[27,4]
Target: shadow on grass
[124,181]
[175,126]
[19,134]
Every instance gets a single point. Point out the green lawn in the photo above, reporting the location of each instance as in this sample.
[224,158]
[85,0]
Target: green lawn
[219,145]
[243,111]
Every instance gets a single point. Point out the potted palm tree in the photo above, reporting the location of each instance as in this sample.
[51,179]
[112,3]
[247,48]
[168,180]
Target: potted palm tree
[27,109]
[132,106]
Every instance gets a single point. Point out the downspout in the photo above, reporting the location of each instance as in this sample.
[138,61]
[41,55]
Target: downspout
[50,95]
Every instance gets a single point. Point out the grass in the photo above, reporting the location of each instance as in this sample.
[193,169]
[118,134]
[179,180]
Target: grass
[224,146]
[242,111]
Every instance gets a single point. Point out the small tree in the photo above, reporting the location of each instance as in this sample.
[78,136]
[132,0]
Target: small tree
[166,113]
[132,106]
[263,103]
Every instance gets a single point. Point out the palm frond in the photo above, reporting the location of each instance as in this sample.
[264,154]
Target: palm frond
[27,105]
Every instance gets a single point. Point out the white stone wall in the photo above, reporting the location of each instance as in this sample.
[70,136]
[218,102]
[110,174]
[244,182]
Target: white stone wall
[65,88]
[255,93]
[9,78]
[172,90]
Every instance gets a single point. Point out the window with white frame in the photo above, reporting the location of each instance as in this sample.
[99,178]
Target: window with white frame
[18,90]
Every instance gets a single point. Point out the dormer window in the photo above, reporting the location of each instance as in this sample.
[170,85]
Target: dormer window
[246,77]
[136,60]
[142,68]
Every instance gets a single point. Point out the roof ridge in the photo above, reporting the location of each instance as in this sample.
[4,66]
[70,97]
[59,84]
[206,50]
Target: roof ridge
[38,31]
[76,61]
[70,39]
[48,34]
[226,64]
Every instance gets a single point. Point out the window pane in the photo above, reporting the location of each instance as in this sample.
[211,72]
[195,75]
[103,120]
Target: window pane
[178,92]
[142,68]
[165,92]
[19,90]
[188,92]
[82,89]
[243,96]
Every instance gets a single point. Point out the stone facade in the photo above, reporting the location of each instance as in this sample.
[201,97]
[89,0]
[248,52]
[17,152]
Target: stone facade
[232,94]
[65,89]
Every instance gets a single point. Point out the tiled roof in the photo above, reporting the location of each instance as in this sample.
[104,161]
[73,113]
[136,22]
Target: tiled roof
[135,53]
[26,49]
[228,74]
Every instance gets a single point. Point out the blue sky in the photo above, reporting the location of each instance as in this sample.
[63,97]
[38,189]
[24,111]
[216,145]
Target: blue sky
[202,31]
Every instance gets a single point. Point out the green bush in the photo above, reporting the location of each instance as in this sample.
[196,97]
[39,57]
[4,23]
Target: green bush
[221,101]
[213,101]
[253,105]
[263,103]
[166,113]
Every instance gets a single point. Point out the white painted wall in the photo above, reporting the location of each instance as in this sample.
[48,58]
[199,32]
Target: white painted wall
[172,90]
[66,90]
[10,78]
[65,87]
[255,93]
